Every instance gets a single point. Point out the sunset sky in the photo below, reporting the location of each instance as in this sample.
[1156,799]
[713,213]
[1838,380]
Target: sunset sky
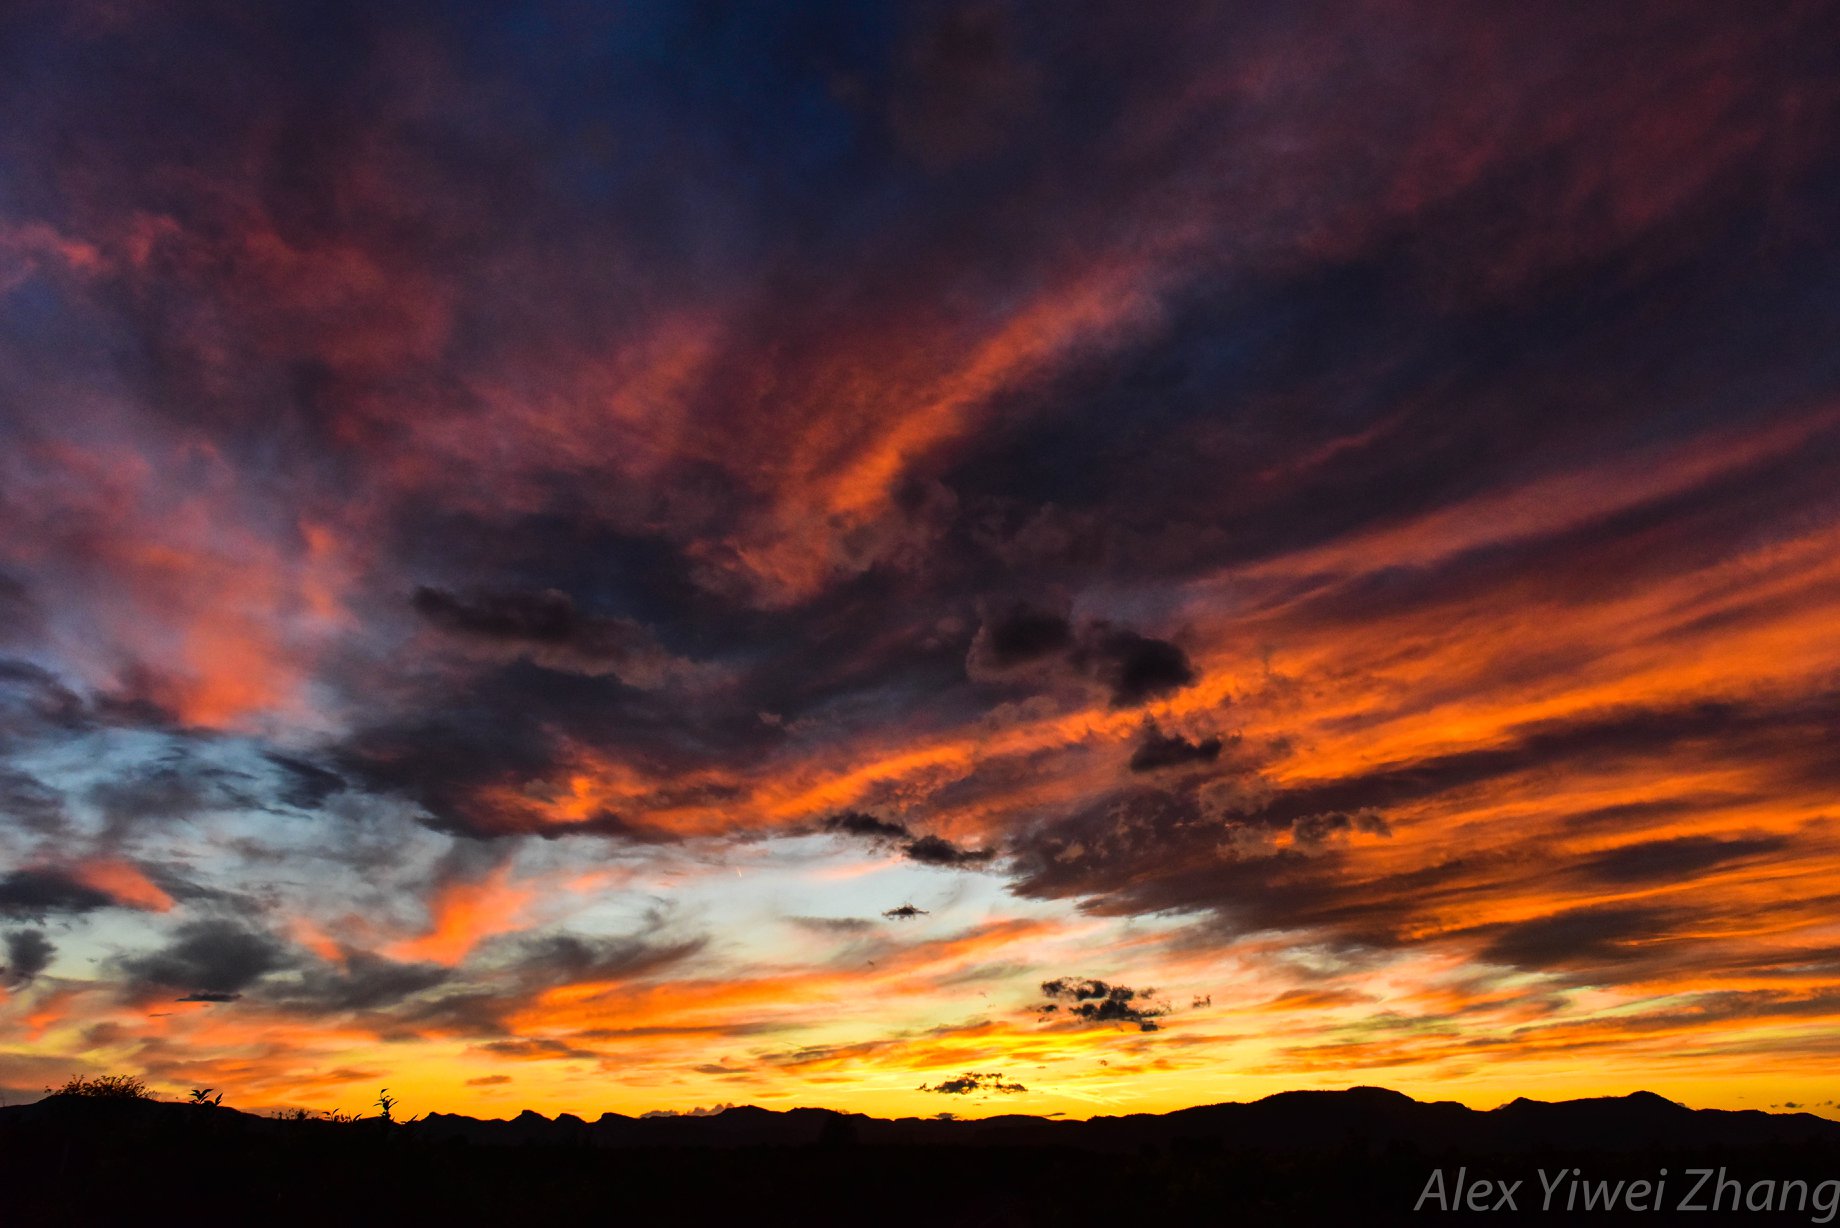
[641,556]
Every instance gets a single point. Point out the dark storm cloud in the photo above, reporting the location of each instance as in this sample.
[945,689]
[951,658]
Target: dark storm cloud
[36,893]
[210,956]
[28,953]
[927,850]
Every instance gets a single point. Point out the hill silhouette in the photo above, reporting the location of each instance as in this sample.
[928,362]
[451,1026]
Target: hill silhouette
[1292,1158]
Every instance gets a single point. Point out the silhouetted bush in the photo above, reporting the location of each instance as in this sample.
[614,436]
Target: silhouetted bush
[104,1087]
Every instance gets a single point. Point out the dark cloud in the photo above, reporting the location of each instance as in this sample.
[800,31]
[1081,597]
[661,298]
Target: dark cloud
[1098,1002]
[209,996]
[905,912]
[867,826]
[205,957]
[1158,750]
[974,1081]
[28,953]
[938,851]
[35,893]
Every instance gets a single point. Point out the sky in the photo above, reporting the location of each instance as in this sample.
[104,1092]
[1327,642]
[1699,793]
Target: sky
[939,557]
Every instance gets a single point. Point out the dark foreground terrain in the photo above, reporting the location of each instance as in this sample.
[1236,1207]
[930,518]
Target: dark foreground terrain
[1364,1156]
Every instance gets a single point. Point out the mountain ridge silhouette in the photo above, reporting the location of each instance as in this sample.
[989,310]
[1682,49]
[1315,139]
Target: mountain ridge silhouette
[1302,1120]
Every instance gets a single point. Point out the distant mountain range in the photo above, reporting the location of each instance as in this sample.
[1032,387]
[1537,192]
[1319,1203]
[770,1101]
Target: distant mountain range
[1287,1121]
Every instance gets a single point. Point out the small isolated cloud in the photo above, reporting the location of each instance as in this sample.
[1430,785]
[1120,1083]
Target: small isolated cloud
[905,912]
[28,953]
[493,1080]
[1098,1002]
[834,925]
[927,850]
[206,996]
[974,1081]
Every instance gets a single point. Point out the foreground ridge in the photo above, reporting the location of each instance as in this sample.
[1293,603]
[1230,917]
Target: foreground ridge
[1292,1158]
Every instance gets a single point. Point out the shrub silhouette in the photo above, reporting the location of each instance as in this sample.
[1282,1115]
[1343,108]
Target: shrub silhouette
[385,1103]
[104,1087]
[201,1096]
